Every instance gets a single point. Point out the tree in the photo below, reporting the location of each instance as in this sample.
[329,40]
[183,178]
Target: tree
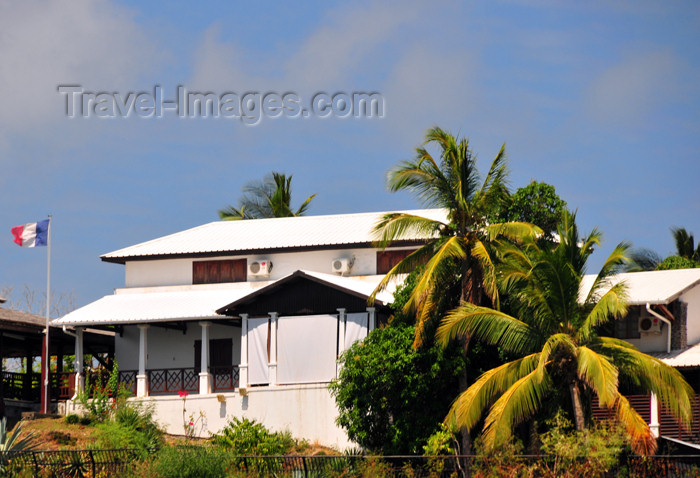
[686,257]
[271,197]
[536,203]
[685,244]
[462,245]
[392,397]
[558,344]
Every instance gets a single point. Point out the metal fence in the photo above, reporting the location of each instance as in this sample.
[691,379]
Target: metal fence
[68,463]
[92,463]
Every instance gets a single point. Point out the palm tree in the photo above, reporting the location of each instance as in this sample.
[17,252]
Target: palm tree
[462,243]
[271,197]
[685,244]
[557,339]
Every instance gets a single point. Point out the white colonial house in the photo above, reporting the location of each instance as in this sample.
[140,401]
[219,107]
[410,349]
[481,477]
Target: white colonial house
[247,317]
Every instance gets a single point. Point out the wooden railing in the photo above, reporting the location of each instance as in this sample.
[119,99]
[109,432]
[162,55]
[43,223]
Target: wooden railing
[172,380]
[21,386]
[224,378]
[62,385]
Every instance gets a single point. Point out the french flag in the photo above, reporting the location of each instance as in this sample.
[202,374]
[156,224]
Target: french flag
[32,234]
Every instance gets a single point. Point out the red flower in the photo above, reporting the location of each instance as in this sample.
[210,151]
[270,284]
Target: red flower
[183,393]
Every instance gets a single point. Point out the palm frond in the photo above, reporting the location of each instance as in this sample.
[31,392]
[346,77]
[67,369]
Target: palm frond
[469,406]
[481,253]
[518,403]
[601,375]
[553,344]
[612,264]
[490,326]
[396,226]
[513,231]
[643,442]
[667,383]
[612,305]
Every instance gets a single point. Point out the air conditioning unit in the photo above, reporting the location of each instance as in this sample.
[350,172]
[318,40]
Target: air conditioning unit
[342,265]
[260,268]
[649,325]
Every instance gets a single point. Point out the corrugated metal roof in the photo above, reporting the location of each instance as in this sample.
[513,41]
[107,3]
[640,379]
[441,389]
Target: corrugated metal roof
[655,287]
[188,303]
[267,234]
[689,357]
[132,308]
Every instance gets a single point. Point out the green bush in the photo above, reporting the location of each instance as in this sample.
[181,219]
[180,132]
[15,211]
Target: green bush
[248,437]
[72,419]
[191,462]
[133,426]
[677,262]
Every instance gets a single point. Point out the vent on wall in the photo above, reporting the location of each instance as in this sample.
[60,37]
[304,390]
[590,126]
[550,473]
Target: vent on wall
[261,268]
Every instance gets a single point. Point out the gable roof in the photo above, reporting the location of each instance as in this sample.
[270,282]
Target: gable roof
[269,235]
[653,287]
[271,294]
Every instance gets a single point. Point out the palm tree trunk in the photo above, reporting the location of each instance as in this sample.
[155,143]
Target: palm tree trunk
[578,409]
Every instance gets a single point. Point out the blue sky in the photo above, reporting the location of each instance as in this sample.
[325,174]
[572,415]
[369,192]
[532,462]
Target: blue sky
[600,99]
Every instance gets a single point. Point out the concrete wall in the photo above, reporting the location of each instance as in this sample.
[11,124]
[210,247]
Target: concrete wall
[179,271]
[307,411]
[169,348]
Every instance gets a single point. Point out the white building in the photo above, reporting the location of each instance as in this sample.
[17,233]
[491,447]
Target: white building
[248,317]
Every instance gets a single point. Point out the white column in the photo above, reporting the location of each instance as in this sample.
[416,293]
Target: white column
[372,321]
[654,416]
[141,377]
[204,375]
[273,348]
[243,365]
[342,324]
[341,331]
[78,362]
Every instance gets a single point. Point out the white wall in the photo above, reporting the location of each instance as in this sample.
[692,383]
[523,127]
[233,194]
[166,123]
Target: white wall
[179,271]
[651,342]
[307,411]
[170,348]
[692,298]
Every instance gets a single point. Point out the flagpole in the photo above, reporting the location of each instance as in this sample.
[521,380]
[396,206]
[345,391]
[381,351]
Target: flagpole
[47,398]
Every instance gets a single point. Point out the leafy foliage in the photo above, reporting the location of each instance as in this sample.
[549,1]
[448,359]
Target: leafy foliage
[132,426]
[99,398]
[390,396]
[248,437]
[677,262]
[536,203]
[191,462]
[12,442]
[271,197]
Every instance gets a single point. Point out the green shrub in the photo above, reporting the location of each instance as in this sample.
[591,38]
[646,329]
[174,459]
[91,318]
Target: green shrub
[677,262]
[248,437]
[72,419]
[133,426]
[191,462]
[85,420]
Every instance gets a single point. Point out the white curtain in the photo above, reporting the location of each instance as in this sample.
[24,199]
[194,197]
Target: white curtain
[258,369]
[306,348]
[356,326]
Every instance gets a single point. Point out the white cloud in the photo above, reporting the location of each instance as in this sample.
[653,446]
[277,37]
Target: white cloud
[628,92]
[43,44]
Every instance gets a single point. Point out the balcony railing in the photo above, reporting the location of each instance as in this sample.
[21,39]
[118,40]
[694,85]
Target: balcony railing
[224,379]
[21,386]
[172,380]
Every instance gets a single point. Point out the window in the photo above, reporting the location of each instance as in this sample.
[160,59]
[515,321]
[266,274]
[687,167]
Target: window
[214,272]
[386,260]
[628,326]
